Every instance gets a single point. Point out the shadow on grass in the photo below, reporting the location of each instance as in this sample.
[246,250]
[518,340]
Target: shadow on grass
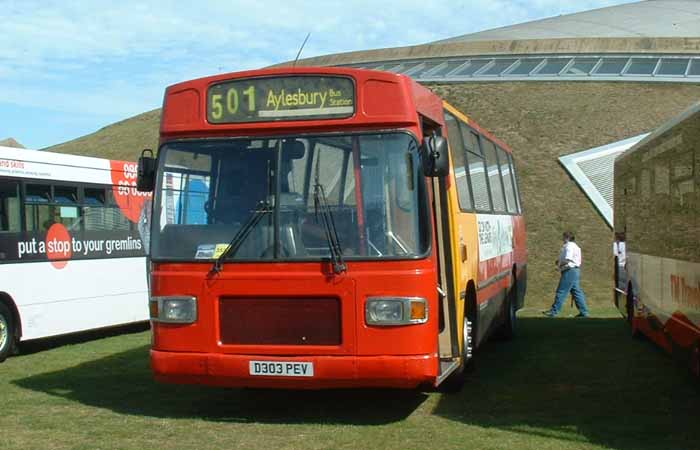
[581,380]
[123,383]
[39,345]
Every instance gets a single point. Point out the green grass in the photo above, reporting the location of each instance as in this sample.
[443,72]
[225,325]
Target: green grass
[562,384]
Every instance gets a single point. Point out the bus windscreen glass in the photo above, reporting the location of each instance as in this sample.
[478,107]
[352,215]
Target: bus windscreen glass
[280,98]
[211,189]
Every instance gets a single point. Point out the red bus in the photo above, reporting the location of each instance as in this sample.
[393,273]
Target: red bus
[310,231]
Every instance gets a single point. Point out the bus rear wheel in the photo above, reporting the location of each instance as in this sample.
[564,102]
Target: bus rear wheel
[630,312]
[7,332]
[507,329]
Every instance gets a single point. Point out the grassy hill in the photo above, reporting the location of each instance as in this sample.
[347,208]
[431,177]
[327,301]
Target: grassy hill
[121,140]
[10,142]
[541,121]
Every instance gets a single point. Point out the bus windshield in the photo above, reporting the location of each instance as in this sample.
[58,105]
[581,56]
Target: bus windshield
[210,190]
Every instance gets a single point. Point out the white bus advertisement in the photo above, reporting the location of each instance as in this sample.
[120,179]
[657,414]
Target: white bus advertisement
[71,255]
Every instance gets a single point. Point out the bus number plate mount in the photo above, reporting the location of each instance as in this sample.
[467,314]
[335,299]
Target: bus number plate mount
[282,368]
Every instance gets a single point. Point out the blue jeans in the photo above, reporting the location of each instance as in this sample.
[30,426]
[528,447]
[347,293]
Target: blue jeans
[569,283]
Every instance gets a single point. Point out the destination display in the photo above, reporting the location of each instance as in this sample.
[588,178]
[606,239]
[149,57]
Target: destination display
[281,98]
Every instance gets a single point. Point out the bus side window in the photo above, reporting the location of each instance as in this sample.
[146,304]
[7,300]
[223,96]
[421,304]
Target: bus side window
[10,218]
[494,176]
[38,212]
[514,179]
[511,204]
[477,170]
[457,154]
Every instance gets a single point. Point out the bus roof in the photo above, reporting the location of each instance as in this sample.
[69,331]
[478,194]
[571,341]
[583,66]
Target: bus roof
[692,111]
[382,100]
[37,164]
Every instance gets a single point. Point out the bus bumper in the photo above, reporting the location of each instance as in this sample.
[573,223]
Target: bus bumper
[329,371]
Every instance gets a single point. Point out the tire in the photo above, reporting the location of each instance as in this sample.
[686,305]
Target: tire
[629,306]
[7,332]
[695,361]
[455,381]
[506,331]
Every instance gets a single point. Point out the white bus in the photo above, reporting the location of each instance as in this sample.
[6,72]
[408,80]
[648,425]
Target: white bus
[71,255]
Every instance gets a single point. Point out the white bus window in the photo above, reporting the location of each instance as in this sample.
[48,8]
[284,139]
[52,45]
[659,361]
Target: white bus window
[10,219]
[38,213]
[65,194]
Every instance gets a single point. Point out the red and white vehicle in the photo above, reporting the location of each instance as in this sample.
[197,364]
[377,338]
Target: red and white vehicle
[71,256]
[657,226]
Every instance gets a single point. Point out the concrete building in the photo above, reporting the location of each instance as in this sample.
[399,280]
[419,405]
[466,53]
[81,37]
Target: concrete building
[554,88]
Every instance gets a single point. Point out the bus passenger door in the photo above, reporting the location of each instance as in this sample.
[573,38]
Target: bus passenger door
[448,339]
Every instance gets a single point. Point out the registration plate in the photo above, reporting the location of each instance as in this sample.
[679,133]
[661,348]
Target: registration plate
[282,368]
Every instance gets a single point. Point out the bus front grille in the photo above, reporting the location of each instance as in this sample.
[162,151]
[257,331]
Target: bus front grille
[280,321]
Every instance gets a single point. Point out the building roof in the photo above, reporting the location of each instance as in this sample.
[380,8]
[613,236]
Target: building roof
[652,27]
[646,19]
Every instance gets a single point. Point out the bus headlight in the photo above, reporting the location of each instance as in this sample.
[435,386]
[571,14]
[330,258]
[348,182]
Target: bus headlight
[176,309]
[396,310]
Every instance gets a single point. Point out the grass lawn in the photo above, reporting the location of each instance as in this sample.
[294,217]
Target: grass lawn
[562,384]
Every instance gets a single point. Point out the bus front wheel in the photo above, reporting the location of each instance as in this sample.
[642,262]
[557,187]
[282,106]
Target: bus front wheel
[7,332]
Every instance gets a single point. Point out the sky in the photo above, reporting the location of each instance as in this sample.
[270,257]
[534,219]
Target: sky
[69,68]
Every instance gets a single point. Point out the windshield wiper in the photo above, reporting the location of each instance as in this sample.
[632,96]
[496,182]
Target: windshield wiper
[320,204]
[260,211]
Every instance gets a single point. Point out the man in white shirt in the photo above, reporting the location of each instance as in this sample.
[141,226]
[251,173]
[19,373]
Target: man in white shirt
[569,264]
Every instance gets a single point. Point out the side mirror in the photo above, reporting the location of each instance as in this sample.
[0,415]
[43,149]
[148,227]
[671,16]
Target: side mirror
[146,174]
[435,157]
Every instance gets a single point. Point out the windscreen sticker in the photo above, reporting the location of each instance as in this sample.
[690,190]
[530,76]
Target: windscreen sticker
[495,236]
[210,251]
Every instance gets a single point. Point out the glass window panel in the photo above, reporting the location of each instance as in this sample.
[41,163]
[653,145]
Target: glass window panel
[525,67]
[673,66]
[100,218]
[553,66]
[471,141]
[418,72]
[642,66]
[511,202]
[499,203]
[611,66]
[477,177]
[498,66]
[39,217]
[410,68]
[474,65]
[38,193]
[10,215]
[694,68]
[395,68]
[515,182]
[661,178]
[446,68]
[94,196]
[454,137]
[65,194]
[581,66]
